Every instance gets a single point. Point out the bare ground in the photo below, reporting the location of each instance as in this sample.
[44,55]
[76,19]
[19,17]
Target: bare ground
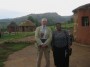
[27,57]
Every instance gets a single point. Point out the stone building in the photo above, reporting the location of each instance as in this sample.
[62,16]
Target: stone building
[82,24]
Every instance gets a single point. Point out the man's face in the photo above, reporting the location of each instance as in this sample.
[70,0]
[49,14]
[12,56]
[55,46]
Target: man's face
[44,22]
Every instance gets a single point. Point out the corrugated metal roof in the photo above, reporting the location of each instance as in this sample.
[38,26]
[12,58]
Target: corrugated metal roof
[83,7]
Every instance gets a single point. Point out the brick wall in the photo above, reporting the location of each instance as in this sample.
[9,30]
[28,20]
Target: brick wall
[82,33]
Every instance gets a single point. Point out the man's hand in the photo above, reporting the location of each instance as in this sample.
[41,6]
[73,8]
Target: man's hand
[44,46]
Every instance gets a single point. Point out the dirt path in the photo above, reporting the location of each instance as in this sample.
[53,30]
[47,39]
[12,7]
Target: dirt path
[27,57]
[30,39]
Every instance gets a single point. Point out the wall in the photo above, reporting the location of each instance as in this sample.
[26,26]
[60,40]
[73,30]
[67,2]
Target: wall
[82,33]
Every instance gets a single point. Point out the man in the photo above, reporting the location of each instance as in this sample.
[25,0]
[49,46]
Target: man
[43,36]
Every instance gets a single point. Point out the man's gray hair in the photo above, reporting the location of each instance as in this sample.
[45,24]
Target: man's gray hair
[44,19]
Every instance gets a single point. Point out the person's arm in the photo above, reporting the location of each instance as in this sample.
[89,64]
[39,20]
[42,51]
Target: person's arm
[48,41]
[39,42]
[71,38]
[68,38]
[52,42]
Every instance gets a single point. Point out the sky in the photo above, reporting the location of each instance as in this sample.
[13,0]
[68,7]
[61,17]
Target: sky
[18,8]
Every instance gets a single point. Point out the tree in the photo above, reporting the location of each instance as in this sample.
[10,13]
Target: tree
[0,33]
[50,21]
[70,21]
[33,20]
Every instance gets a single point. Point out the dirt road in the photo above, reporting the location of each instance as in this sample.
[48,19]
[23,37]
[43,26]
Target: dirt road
[27,57]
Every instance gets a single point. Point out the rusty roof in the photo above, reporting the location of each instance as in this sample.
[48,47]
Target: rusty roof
[83,7]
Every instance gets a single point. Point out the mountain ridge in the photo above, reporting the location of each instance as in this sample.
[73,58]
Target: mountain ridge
[50,16]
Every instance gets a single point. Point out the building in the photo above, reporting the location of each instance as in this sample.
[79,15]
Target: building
[12,27]
[27,26]
[82,24]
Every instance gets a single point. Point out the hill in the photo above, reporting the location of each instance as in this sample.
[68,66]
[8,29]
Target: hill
[52,18]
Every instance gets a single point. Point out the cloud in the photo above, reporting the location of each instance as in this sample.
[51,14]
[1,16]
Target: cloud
[15,8]
[9,14]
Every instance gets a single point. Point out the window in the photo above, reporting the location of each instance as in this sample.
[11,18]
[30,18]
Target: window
[85,21]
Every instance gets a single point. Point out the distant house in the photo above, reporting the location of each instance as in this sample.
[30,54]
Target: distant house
[82,24]
[12,27]
[27,26]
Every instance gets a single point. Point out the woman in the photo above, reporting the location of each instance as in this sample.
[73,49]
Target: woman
[60,43]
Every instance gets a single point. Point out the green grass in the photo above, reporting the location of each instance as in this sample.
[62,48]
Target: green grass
[1,64]
[64,26]
[15,46]
[67,25]
[15,36]
[8,48]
